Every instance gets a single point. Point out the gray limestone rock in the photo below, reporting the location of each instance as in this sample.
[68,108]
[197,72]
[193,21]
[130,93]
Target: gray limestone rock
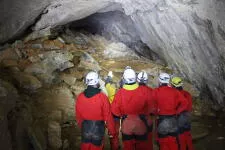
[50,62]
[187,34]
[18,16]
[88,62]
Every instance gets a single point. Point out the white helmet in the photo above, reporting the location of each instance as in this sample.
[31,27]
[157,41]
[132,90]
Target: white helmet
[142,77]
[92,78]
[129,76]
[164,78]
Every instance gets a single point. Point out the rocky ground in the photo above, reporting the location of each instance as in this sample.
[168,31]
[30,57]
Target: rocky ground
[40,79]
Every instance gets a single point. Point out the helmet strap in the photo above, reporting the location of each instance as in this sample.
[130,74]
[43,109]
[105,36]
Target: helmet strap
[179,88]
[141,83]
[130,83]
[163,84]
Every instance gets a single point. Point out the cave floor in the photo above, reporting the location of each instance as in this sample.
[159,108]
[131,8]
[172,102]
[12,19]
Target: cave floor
[208,134]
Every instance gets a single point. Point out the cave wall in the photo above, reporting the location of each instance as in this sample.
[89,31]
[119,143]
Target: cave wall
[17,16]
[22,14]
[188,34]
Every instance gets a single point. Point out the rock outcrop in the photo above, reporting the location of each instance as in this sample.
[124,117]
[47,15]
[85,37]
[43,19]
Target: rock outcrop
[188,34]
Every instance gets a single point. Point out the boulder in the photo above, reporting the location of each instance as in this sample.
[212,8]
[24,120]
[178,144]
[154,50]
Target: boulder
[68,79]
[44,33]
[115,50]
[50,62]
[9,63]
[55,103]
[54,135]
[37,46]
[53,44]
[55,115]
[27,81]
[88,62]
[8,53]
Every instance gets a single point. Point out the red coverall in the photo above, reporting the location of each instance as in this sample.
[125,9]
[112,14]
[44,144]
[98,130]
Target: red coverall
[152,109]
[168,101]
[185,138]
[95,108]
[132,103]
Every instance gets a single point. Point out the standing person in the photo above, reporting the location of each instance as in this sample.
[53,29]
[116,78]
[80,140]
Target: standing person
[131,103]
[185,138]
[111,90]
[92,112]
[142,79]
[169,103]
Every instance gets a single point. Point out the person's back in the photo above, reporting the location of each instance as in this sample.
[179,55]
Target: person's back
[167,100]
[131,103]
[92,112]
[184,123]
[94,104]
[188,96]
[142,79]
[169,103]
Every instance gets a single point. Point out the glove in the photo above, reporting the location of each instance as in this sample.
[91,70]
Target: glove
[108,80]
[110,74]
[109,77]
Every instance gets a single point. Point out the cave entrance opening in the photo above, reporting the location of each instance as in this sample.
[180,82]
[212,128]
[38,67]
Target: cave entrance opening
[117,27]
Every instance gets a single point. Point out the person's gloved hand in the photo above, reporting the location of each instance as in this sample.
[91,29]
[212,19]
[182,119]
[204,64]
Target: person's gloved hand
[110,74]
[109,77]
[111,136]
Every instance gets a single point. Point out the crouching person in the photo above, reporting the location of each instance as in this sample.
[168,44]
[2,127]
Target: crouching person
[93,114]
